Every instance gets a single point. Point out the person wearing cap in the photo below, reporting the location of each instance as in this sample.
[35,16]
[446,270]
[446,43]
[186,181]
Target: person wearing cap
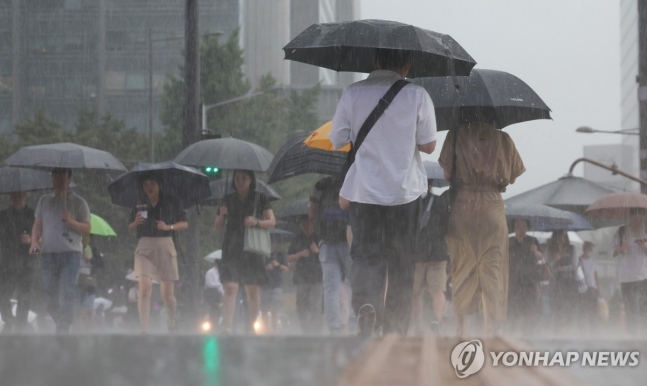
[155,256]
[61,220]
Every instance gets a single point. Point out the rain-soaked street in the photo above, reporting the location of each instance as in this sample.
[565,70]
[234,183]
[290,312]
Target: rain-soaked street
[323,192]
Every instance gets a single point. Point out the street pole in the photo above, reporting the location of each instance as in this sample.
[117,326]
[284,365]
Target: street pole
[642,87]
[151,143]
[189,136]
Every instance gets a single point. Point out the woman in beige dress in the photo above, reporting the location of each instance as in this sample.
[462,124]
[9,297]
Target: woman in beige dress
[477,239]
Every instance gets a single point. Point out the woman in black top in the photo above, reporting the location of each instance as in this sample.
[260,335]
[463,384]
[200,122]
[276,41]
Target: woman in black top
[155,257]
[238,266]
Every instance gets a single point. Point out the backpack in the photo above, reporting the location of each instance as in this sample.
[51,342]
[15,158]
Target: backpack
[332,220]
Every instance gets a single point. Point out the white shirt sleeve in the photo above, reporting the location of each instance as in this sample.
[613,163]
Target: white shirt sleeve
[212,280]
[340,132]
[426,130]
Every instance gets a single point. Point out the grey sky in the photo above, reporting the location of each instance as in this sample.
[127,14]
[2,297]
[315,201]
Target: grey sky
[566,50]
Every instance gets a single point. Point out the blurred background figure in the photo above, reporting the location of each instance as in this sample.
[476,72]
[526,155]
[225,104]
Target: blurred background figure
[303,256]
[16,264]
[272,293]
[590,312]
[213,293]
[523,289]
[564,299]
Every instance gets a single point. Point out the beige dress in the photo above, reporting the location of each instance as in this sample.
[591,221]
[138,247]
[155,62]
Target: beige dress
[477,238]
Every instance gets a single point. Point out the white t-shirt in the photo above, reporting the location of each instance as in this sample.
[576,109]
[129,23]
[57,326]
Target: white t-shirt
[388,169]
[589,268]
[212,280]
[632,266]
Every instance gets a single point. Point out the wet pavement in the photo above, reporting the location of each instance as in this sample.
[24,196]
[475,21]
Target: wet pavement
[160,360]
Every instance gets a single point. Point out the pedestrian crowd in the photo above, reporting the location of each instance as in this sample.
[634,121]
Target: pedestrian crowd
[374,241]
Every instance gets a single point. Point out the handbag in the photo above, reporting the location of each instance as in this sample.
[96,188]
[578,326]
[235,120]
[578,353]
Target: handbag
[256,239]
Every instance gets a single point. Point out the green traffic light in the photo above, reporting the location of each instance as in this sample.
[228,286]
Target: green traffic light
[208,170]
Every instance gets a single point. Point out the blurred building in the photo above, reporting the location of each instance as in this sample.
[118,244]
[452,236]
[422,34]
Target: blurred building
[621,155]
[59,55]
[630,116]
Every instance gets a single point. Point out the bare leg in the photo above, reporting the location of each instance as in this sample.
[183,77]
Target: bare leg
[487,320]
[267,323]
[416,313]
[167,289]
[253,302]
[439,304]
[229,303]
[144,301]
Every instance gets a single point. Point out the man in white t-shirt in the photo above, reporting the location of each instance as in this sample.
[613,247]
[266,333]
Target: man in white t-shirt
[383,188]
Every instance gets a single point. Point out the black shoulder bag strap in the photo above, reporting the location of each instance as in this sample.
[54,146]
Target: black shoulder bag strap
[377,112]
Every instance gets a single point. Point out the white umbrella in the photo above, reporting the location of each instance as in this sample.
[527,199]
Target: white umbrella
[102,301]
[132,277]
[213,256]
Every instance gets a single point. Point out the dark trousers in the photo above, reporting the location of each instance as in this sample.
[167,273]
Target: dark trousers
[310,308]
[383,250]
[18,281]
[523,308]
[634,296]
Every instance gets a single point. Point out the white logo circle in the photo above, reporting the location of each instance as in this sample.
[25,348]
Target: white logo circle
[468,358]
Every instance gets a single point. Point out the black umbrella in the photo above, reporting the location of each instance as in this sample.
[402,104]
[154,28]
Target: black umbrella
[188,185]
[485,95]
[226,153]
[350,46]
[294,210]
[23,180]
[219,189]
[294,158]
[435,172]
[280,235]
[539,216]
[63,155]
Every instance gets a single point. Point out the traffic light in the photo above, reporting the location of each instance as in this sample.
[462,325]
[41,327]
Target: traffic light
[211,170]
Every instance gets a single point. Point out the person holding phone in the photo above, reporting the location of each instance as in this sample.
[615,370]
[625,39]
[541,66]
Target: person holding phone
[630,243]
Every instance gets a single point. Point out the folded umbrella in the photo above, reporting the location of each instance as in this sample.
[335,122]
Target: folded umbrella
[350,46]
[295,158]
[188,185]
[485,95]
[219,187]
[14,179]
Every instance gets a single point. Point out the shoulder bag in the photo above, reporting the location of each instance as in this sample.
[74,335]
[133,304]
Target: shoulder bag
[257,239]
[370,121]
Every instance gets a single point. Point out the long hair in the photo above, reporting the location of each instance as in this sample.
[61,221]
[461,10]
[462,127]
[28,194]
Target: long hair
[552,243]
[252,185]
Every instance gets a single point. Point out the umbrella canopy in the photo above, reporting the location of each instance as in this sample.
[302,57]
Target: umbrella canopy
[578,223]
[23,180]
[435,172]
[537,215]
[106,303]
[568,193]
[350,46]
[294,209]
[294,158]
[100,227]
[320,139]
[64,155]
[188,185]
[213,256]
[485,95]
[616,205]
[226,153]
[219,187]
[280,235]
